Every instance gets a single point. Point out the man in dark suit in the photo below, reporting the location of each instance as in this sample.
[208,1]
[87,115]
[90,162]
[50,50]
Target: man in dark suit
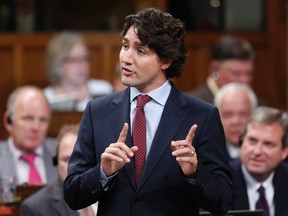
[232,60]
[263,149]
[50,199]
[178,177]
[27,120]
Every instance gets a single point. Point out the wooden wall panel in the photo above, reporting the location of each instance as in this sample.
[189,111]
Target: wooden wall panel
[32,71]
[22,62]
[6,79]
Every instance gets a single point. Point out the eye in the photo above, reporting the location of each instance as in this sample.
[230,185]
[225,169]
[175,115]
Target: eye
[28,118]
[141,51]
[251,140]
[124,44]
[269,145]
[227,114]
[44,120]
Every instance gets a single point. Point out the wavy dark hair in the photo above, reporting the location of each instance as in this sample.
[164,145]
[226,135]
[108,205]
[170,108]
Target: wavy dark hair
[163,33]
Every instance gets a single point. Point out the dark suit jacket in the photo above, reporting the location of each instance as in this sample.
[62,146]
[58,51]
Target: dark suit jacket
[163,190]
[47,202]
[240,200]
[204,93]
[8,167]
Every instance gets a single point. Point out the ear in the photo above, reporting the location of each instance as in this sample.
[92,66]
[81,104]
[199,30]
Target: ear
[166,64]
[7,125]
[214,66]
[284,153]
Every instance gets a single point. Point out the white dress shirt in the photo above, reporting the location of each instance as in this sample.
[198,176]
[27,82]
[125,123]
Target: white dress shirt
[153,110]
[22,167]
[252,190]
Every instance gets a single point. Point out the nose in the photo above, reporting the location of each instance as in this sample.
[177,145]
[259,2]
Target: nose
[35,124]
[245,78]
[235,119]
[126,56]
[258,148]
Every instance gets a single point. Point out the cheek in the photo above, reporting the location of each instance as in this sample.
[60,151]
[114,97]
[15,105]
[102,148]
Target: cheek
[44,127]
[225,123]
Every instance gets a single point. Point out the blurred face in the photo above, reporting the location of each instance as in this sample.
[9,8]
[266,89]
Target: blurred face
[30,120]
[235,109]
[66,146]
[261,150]
[235,70]
[141,66]
[76,66]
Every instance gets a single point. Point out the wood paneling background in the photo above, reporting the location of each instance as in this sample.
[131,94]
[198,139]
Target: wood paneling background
[22,58]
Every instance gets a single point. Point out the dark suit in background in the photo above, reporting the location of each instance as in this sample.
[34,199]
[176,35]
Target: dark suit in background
[48,201]
[204,93]
[240,200]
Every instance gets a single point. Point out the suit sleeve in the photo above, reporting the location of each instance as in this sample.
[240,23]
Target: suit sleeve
[213,175]
[83,169]
[26,210]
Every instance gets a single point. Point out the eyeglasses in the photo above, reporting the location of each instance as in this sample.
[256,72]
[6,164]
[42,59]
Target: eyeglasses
[77,60]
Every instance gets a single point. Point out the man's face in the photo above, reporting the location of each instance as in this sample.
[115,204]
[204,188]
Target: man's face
[76,66]
[261,150]
[30,120]
[235,70]
[235,109]
[141,66]
[66,145]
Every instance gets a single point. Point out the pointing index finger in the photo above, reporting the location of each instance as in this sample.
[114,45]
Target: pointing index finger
[191,133]
[123,133]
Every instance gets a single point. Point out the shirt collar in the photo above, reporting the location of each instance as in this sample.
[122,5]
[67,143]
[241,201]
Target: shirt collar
[252,183]
[18,153]
[159,95]
[212,85]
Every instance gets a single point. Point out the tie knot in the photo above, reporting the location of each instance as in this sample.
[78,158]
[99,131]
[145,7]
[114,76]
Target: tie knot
[142,100]
[261,190]
[29,158]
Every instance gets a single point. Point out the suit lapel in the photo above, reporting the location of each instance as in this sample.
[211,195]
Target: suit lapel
[8,166]
[169,124]
[57,198]
[280,190]
[119,114]
[51,172]
[240,197]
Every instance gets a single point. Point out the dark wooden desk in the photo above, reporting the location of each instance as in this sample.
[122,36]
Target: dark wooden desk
[22,192]
[58,119]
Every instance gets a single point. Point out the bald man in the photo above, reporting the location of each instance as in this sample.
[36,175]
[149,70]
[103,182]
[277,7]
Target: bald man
[27,119]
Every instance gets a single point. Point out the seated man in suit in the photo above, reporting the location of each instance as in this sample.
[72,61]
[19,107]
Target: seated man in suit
[26,155]
[50,199]
[259,176]
[236,102]
[232,60]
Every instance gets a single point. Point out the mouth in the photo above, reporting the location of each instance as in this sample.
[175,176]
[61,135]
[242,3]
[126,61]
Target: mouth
[257,162]
[126,71]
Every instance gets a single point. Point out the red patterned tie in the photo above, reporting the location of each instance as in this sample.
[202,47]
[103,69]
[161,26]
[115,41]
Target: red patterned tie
[34,177]
[139,135]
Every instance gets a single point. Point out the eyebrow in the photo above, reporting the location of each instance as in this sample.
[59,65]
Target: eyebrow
[138,43]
